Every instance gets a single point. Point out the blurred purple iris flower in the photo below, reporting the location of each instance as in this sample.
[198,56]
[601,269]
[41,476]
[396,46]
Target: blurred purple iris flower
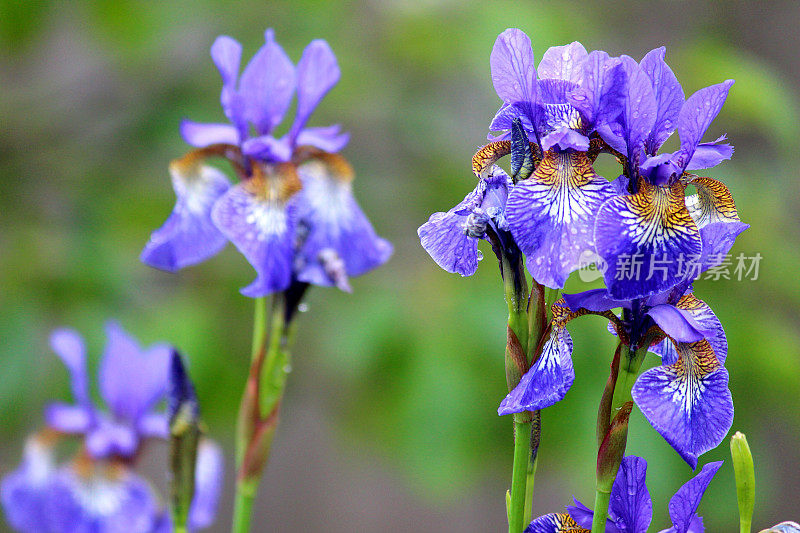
[132,381]
[630,508]
[98,490]
[263,215]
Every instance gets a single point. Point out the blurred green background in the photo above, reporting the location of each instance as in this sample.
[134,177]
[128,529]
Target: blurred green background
[390,422]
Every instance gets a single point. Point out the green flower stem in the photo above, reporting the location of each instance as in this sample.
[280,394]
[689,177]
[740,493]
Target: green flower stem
[258,413]
[517,363]
[243,506]
[528,515]
[626,374]
[602,497]
[629,365]
[519,474]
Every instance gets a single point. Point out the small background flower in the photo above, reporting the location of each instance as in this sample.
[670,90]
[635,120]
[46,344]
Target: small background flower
[93,93]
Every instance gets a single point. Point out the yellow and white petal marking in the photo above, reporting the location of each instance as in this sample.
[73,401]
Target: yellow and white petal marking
[712,203]
[657,215]
[552,213]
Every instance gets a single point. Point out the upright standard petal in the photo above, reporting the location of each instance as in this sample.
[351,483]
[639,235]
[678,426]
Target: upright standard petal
[333,219]
[639,110]
[688,402]
[552,215]
[227,55]
[696,116]
[645,240]
[563,63]
[69,346]
[267,85]
[630,508]
[600,96]
[683,505]
[669,98]
[514,72]
[255,217]
[188,236]
[132,380]
[317,73]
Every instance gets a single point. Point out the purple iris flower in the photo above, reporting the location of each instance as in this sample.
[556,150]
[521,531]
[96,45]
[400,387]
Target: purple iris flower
[98,490]
[451,238]
[631,510]
[644,235]
[552,213]
[263,215]
[132,381]
[686,399]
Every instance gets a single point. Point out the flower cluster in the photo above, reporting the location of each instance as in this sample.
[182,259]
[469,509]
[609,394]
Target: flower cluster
[631,509]
[292,214]
[98,489]
[563,216]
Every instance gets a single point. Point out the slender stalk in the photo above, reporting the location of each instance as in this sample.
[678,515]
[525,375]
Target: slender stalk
[629,362]
[519,475]
[243,507]
[258,413]
[602,497]
[531,478]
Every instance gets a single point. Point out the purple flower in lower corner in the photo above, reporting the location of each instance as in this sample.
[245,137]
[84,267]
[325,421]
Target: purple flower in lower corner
[98,489]
[630,508]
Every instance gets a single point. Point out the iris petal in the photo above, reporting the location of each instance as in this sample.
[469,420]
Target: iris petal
[262,228]
[189,236]
[555,523]
[132,379]
[267,85]
[334,221]
[563,62]
[688,402]
[552,215]
[668,94]
[547,381]
[646,240]
[317,73]
[683,505]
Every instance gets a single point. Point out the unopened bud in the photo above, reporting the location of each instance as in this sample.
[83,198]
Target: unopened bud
[745,478]
[611,451]
[184,427]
